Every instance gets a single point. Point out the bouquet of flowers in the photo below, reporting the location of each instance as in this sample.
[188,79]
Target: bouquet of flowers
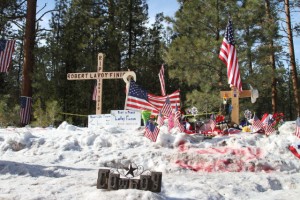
[278,120]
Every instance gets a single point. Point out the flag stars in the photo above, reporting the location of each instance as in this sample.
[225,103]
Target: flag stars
[229,33]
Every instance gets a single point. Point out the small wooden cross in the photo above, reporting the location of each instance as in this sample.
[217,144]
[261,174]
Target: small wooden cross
[99,76]
[234,94]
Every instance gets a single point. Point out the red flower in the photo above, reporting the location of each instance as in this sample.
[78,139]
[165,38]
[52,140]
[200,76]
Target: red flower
[220,118]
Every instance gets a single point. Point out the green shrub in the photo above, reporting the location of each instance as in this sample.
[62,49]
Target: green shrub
[9,114]
[47,115]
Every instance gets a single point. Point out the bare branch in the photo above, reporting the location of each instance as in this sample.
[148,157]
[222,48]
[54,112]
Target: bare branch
[20,26]
[41,8]
[39,19]
[43,29]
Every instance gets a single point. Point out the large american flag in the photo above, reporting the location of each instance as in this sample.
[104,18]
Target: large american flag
[7,48]
[25,111]
[297,133]
[151,131]
[229,56]
[161,76]
[140,99]
[256,124]
[159,101]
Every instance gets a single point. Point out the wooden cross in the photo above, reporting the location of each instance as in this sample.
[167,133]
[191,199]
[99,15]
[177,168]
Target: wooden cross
[99,76]
[234,94]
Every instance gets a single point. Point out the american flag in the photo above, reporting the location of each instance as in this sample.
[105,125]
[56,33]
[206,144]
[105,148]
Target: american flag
[161,76]
[256,124]
[212,122]
[25,111]
[268,127]
[177,120]
[140,99]
[151,131]
[297,133]
[171,121]
[160,119]
[159,101]
[166,110]
[94,97]
[229,56]
[137,99]
[7,48]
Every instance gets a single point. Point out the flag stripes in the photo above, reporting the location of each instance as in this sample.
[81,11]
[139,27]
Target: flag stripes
[256,124]
[160,119]
[139,99]
[177,120]
[166,110]
[159,101]
[161,76]
[7,48]
[229,56]
[297,133]
[151,131]
[25,111]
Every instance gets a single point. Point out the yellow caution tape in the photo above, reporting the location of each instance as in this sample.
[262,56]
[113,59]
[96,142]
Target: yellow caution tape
[63,113]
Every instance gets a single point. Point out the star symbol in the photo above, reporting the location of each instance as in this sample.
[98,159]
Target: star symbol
[130,170]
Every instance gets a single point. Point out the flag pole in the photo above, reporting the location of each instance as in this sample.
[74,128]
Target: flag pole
[127,91]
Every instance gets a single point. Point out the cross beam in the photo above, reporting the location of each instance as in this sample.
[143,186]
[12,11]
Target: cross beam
[99,76]
[235,95]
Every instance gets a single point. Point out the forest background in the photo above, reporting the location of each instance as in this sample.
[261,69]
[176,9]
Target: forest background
[187,44]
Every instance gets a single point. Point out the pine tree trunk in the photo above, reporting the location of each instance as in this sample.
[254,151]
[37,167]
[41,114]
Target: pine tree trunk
[272,59]
[28,48]
[292,55]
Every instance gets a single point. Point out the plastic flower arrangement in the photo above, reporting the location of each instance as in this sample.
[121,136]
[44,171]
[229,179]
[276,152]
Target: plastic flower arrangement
[278,119]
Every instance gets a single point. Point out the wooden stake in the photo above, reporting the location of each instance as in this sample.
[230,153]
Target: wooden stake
[235,95]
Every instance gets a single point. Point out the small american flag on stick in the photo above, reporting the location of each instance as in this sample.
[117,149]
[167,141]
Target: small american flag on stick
[151,131]
[177,120]
[160,119]
[256,124]
[268,127]
[297,133]
[212,122]
[167,109]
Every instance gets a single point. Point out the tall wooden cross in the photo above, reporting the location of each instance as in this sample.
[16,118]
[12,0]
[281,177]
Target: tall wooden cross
[234,94]
[99,76]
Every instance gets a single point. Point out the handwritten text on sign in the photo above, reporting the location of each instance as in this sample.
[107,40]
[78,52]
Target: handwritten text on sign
[95,75]
[126,119]
[99,121]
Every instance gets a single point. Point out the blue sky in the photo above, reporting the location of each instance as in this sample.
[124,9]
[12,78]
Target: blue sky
[168,7]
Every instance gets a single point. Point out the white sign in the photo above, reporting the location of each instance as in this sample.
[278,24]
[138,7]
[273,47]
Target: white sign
[126,119]
[99,121]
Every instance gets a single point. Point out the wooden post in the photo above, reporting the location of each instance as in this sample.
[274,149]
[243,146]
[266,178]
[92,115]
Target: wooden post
[99,76]
[235,95]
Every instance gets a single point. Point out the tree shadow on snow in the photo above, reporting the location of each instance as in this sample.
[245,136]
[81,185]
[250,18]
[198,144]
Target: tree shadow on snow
[23,169]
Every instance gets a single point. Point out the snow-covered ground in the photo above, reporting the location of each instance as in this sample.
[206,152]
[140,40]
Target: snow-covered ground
[62,163]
